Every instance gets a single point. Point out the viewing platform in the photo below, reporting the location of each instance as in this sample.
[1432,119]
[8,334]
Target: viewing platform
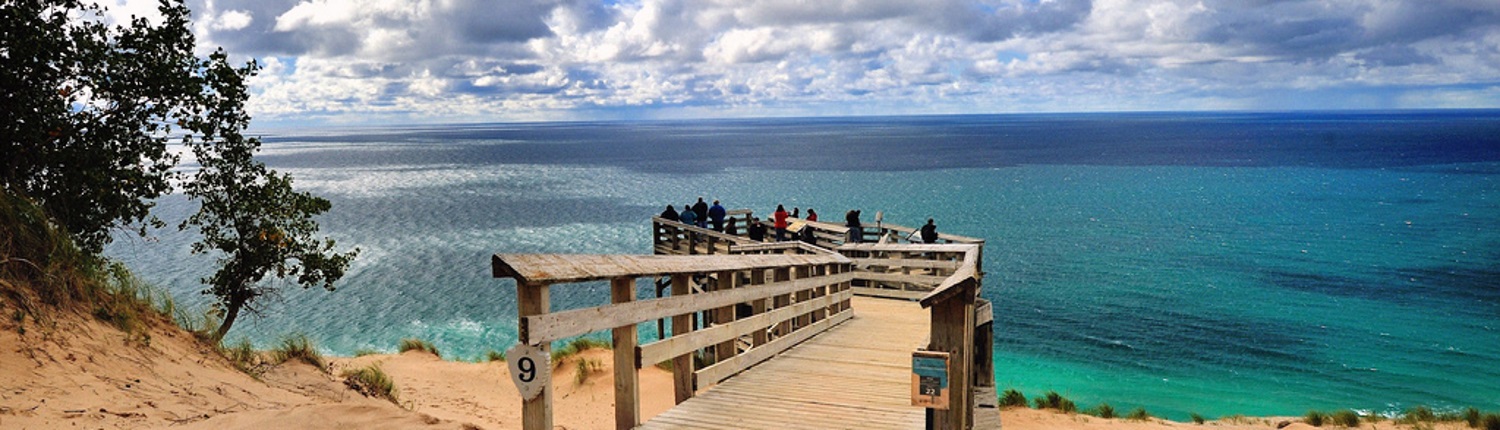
[885,333]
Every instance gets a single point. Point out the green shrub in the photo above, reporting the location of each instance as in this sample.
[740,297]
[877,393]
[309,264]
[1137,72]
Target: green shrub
[1490,422]
[371,381]
[494,355]
[299,347]
[1419,414]
[1011,398]
[1346,418]
[1197,419]
[1313,418]
[1052,400]
[1471,416]
[1138,414]
[1104,410]
[414,344]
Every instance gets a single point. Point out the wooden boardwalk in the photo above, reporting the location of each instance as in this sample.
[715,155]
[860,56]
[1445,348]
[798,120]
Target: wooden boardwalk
[856,375]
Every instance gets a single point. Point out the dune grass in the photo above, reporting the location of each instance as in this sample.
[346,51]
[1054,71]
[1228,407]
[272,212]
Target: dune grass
[1346,418]
[1052,400]
[1490,422]
[298,346]
[414,344]
[1313,418]
[1104,410]
[575,346]
[494,355]
[1197,419]
[1013,398]
[1138,414]
[371,381]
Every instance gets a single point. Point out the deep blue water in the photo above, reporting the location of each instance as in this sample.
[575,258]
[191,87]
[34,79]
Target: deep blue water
[1219,263]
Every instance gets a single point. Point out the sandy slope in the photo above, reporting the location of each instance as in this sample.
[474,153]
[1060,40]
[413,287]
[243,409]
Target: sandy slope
[78,373]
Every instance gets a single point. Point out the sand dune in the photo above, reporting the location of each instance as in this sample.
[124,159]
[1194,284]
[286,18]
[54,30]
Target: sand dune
[75,372]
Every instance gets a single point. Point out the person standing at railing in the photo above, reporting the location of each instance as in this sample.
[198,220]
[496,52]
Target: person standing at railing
[780,222]
[701,209]
[812,215]
[716,215]
[756,230]
[929,232]
[851,220]
[796,212]
[689,216]
[670,214]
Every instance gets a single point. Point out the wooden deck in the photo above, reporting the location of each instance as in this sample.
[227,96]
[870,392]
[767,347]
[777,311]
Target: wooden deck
[855,375]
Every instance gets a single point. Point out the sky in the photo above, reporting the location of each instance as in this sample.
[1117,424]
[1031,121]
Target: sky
[445,61]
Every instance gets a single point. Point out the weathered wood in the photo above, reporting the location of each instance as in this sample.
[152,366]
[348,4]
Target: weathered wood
[677,345]
[983,312]
[906,263]
[573,268]
[898,278]
[627,379]
[890,293]
[757,307]
[724,369]
[534,299]
[682,365]
[782,274]
[913,247]
[564,324]
[725,315]
[952,331]
[803,272]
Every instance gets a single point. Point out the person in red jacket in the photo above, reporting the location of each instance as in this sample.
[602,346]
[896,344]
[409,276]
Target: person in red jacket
[780,217]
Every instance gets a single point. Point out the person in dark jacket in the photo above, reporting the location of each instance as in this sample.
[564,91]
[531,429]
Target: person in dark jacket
[716,216]
[730,227]
[929,232]
[796,212]
[851,220]
[756,230]
[701,209]
[807,235]
[670,214]
[689,217]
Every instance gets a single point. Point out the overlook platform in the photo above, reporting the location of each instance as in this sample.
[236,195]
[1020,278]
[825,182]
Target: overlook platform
[771,335]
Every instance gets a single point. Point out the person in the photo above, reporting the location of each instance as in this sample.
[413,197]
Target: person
[807,235]
[730,228]
[851,220]
[670,214]
[716,215]
[701,209]
[756,230]
[812,215]
[796,212]
[688,216]
[929,232]
[780,222]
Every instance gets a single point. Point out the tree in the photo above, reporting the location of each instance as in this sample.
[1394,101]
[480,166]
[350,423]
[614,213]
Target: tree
[248,213]
[87,109]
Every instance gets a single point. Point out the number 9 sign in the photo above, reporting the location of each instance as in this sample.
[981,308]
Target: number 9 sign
[529,369]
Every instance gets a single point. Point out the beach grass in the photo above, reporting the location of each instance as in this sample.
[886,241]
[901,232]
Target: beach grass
[299,347]
[584,369]
[243,356]
[1012,398]
[365,351]
[414,344]
[1197,419]
[1053,400]
[1490,422]
[371,381]
[493,355]
[1138,414]
[1313,418]
[575,346]
[1104,410]
[1346,418]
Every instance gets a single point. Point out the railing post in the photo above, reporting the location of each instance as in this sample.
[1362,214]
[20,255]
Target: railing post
[952,331]
[533,299]
[757,307]
[725,315]
[682,365]
[627,378]
[782,274]
[803,320]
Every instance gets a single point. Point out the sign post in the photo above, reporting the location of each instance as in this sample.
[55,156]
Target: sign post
[929,379]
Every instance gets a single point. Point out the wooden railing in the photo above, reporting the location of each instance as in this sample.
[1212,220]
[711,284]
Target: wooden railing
[753,306]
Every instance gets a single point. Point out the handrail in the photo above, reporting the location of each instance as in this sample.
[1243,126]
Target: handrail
[571,268]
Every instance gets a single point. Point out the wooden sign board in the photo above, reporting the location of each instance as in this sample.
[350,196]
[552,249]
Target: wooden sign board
[929,379]
[530,369]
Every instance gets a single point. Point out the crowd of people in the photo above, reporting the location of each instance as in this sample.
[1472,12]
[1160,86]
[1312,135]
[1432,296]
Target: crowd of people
[714,216]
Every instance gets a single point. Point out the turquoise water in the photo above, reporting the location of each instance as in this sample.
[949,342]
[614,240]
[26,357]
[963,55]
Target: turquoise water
[1362,275]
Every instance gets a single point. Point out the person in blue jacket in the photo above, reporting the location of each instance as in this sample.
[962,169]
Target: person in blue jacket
[716,215]
[688,216]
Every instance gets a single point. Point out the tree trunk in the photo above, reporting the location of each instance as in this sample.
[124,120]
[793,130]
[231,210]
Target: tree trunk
[232,312]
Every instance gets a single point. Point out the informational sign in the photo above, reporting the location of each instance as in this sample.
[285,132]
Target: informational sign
[929,379]
[529,369]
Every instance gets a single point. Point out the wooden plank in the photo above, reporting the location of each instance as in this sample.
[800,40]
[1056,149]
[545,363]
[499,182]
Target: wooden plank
[536,414]
[560,325]
[913,247]
[725,315]
[983,313]
[952,331]
[627,379]
[906,262]
[898,278]
[659,351]
[682,365]
[964,277]
[889,293]
[717,372]
[571,268]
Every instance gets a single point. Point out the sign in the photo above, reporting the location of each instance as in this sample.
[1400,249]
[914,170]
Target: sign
[529,369]
[929,379]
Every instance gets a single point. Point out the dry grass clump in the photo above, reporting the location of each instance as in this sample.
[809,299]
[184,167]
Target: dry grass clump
[414,344]
[371,381]
[299,347]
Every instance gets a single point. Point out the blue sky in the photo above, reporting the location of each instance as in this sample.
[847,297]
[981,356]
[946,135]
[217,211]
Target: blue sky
[430,61]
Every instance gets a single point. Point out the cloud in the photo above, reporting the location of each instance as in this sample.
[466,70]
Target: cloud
[444,60]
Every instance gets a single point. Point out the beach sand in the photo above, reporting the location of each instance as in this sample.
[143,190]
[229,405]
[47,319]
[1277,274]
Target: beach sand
[75,372]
